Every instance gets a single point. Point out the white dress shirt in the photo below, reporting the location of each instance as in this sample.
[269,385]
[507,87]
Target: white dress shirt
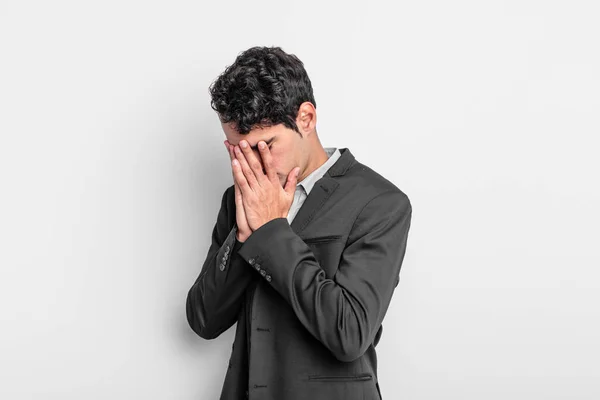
[303,188]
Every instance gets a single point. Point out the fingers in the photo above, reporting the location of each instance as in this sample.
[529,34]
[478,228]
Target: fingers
[254,164]
[243,169]
[240,213]
[240,177]
[290,185]
[267,160]
[239,207]
[232,157]
[230,151]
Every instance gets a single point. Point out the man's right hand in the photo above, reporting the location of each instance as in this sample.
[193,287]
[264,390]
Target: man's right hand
[244,230]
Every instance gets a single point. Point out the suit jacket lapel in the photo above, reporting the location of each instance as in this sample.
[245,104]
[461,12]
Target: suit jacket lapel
[319,194]
[322,191]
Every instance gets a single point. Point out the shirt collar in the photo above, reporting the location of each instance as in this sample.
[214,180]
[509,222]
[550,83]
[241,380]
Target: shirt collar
[308,182]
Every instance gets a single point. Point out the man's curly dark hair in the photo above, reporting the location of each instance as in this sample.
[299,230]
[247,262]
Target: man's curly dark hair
[265,86]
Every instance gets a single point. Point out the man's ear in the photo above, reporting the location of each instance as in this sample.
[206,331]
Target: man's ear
[306,119]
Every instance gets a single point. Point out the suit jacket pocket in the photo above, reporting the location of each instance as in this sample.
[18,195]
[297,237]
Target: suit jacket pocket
[327,251]
[322,239]
[340,378]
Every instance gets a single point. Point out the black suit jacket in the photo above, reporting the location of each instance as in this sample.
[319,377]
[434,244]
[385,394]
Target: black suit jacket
[309,298]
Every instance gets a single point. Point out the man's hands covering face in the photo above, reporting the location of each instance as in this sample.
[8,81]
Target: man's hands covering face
[259,197]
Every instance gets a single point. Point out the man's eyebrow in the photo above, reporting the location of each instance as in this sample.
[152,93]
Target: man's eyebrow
[266,141]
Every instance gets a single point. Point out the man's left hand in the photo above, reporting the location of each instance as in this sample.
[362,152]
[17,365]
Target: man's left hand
[263,197]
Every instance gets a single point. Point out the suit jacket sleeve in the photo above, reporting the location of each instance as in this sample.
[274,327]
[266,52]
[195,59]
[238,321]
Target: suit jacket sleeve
[215,298]
[343,313]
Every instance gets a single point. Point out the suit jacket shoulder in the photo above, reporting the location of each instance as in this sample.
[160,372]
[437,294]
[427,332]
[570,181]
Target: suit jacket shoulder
[371,181]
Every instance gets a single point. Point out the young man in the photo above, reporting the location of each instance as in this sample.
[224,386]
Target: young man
[306,265]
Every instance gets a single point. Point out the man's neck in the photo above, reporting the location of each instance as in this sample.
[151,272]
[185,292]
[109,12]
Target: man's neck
[319,158]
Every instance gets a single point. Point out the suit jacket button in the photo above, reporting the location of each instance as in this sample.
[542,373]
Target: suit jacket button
[268,278]
[263,272]
[251,261]
[222,267]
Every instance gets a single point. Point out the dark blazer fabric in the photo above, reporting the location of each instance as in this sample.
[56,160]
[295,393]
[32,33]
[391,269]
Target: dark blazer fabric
[309,298]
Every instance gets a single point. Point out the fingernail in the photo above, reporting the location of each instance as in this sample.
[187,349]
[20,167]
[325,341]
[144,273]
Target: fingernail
[261,145]
[243,144]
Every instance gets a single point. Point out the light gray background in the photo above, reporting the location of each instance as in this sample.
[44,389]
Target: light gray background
[112,168]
